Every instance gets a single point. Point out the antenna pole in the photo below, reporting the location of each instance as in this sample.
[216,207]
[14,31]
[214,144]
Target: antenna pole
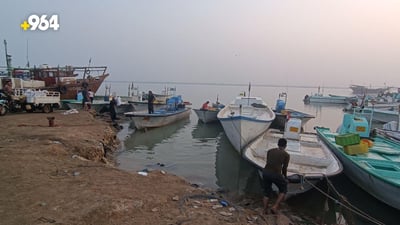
[8,59]
[27,54]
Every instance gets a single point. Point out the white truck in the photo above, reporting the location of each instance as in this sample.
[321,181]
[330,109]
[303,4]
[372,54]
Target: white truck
[41,100]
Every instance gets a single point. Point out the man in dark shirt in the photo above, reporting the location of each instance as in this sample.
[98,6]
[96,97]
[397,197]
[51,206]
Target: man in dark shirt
[113,110]
[150,102]
[275,171]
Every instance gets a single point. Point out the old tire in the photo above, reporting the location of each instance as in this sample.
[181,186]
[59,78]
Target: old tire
[47,108]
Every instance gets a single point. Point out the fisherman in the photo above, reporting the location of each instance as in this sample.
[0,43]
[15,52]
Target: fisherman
[275,171]
[150,102]
[113,109]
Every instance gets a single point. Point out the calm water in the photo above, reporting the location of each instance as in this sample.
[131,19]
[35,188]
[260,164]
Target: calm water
[202,154]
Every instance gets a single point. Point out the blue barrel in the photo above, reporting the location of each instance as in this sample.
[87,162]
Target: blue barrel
[79,96]
[280,105]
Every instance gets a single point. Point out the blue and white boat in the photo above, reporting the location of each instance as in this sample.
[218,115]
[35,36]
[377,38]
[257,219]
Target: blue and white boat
[175,111]
[373,164]
[283,114]
[245,119]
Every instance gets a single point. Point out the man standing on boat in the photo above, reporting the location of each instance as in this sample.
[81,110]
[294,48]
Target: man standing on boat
[275,171]
[150,102]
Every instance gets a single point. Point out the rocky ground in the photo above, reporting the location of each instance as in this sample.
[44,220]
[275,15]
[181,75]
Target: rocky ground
[65,175]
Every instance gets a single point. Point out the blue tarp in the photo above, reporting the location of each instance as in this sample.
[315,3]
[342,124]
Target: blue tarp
[174,102]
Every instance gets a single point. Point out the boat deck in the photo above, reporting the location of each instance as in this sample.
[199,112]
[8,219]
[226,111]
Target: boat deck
[382,159]
[307,156]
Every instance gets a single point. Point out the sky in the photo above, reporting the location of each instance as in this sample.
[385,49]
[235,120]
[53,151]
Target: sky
[292,42]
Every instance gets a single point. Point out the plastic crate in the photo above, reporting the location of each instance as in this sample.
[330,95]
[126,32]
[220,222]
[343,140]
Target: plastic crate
[356,149]
[347,139]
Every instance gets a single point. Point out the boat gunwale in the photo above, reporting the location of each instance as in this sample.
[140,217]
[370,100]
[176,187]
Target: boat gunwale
[334,148]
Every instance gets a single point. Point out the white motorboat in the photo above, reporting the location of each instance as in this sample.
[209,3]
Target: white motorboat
[209,115]
[310,159]
[245,119]
[175,111]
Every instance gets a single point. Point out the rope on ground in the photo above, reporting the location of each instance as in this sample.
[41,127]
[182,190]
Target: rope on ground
[349,207]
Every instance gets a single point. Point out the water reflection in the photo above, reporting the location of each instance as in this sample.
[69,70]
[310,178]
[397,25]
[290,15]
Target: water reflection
[233,173]
[204,131]
[147,140]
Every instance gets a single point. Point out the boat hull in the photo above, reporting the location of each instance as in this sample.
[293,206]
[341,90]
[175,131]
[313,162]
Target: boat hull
[327,99]
[381,115]
[158,119]
[142,105]
[362,170]
[244,123]
[206,116]
[309,157]
[70,90]
[281,118]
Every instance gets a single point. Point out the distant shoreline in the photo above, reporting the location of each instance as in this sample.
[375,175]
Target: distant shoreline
[225,84]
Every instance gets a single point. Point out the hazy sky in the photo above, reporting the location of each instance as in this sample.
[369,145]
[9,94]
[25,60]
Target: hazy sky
[294,42]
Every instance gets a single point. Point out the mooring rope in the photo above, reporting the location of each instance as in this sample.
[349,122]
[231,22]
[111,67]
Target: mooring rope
[351,207]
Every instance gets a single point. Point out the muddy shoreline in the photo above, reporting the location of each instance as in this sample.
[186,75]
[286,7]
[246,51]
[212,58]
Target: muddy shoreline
[64,175]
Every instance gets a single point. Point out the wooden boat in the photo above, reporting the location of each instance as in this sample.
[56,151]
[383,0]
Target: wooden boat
[245,119]
[175,111]
[310,159]
[68,80]
[372,163]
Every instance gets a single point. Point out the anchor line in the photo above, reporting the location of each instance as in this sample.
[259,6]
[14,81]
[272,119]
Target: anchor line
[349,206]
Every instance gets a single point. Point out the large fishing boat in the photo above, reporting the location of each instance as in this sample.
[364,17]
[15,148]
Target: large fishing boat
[68,80]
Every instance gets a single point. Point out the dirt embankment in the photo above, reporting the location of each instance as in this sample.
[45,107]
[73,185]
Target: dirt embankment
[60,175]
